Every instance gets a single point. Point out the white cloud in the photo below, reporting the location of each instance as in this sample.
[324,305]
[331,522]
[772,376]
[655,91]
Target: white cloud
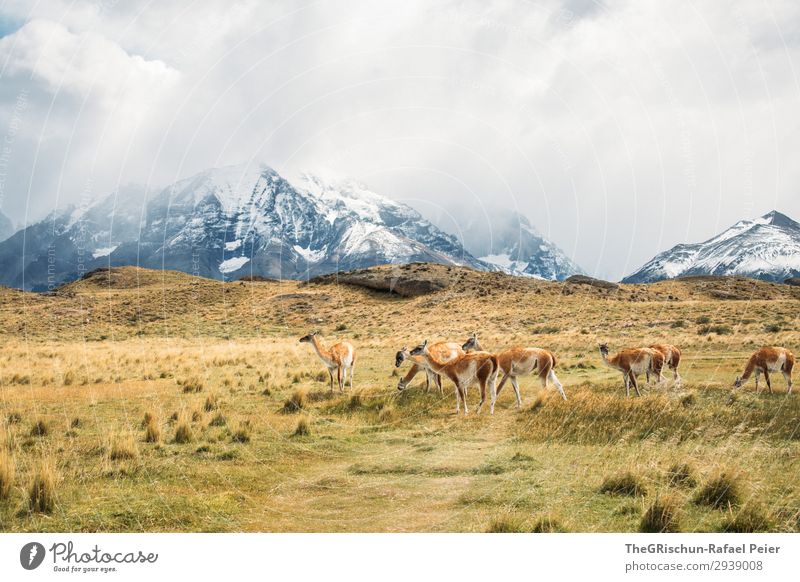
[619,127]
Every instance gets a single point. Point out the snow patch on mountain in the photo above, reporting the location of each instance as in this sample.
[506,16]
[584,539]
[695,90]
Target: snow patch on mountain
[767,248]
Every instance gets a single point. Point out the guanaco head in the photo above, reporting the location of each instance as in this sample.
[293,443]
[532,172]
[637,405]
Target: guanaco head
[420,349]
[401,357]
[738,382]
[604,349]
[309,337]
[402,384]
[472,343]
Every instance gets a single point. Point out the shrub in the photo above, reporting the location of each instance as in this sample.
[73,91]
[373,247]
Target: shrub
[303,427]
[296,402]
[681,474]
[772,328]
[40,429]
[76,423]
[623,484]
[183,432]
[211,403]
[14,418]
[703,320]
[723,489]
[123,449]
[69,378]
[152,431]
[42,490]
[688,399]
[6,475]
[340,327]
[750,519]
[661,516]
[196,415]
[218,420]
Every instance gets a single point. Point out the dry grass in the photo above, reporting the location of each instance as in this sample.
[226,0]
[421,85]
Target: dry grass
[296,402]
[123,448]
[722,490]
[663,515]
[152,428]
[623,484]
[7,473]
[379,460]
[183,431]
[40,429]
[752,518]
[303,427]
[42,489]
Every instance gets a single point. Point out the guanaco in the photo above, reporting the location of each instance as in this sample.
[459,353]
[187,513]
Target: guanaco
[633,362]
[768,360]
[672,359]
[463,371]
[517,362]
[444,351]
[340,357]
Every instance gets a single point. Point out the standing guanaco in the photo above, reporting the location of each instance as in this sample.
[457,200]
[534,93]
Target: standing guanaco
[340,357]
[672,358]
[633,362]
[480,367]
[517,362]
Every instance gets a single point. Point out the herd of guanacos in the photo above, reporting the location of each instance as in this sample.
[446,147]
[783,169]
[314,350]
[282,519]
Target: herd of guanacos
[468,363]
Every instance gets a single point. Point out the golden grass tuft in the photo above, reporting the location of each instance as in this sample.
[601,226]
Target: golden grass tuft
[191,385]
[40,429]
[681,475]
[242,433]
[42,489]
[123,448]
[152,430]
[506,524]
[547,524]
[7,472]
[183,431]
[211,403]
[14,417]
[386,413]
[296,402]
[303,427]
[663,515]
[751,518]
[69,378]
[218,420]
[625,483]
[723,489]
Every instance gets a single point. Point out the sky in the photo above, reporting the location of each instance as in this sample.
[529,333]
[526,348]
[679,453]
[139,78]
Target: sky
[620,128]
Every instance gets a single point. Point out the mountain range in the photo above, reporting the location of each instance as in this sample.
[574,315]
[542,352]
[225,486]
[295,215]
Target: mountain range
[765,248]
[226,223]
[507,240]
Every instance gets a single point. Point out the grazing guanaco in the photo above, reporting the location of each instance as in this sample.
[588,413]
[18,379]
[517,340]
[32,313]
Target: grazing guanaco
[672,359]
[768,360]
[340,357]
[480,367]
[633,362]
[444,351]
[517,362]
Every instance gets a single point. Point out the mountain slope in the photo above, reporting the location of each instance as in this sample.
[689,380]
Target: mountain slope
[766,248]
[6,227]
[225,223]
[507,240]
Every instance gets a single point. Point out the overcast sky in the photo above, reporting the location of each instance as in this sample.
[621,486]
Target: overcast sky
[619,127]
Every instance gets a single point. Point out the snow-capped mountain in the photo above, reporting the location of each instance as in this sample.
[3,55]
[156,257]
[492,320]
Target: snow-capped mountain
[765,248]
[226,223]
[6,226]
[507,240]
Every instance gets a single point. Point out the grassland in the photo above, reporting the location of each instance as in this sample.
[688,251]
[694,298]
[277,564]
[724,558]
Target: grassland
[148,401]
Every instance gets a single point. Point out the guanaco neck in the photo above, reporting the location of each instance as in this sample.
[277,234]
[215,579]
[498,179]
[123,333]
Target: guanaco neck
[322,352]
[610,362]
[434,363]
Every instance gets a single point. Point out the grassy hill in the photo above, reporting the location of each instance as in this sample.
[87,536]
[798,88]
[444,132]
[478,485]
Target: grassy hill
[218,366]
